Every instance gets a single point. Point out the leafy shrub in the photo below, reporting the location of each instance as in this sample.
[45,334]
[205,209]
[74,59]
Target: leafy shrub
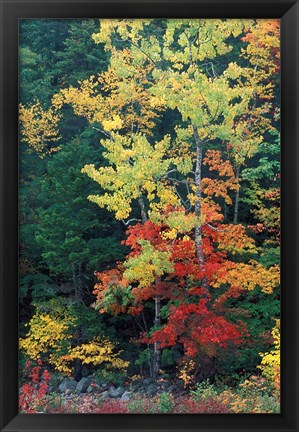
[111,407]
[32,394]
[50,337]
[165,403]
[111,376]
[141,405]
[186,405]
[270,364]
[204,391]
[254,395]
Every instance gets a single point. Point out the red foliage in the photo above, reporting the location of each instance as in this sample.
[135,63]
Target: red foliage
[111,407]
[147,231]
[198,323]
[32,394]
[186,405]
[198,329]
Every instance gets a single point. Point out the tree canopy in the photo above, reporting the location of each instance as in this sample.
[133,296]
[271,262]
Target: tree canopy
[150,165]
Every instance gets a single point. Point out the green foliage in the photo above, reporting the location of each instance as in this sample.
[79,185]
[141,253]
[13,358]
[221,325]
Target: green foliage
[169,357]
[40,285]
[203,391]
[71,231]
[144,86]
[165,403]
[144,357]
[141,406]
[112,377]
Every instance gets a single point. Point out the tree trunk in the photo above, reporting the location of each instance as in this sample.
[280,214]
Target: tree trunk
[156,365]
[157,351]
[80,281]
[142,209]
[78,363]
[236,209]
[197,179]
[77,282]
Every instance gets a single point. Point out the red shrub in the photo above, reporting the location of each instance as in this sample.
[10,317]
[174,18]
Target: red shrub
[186,405]
[111,407]
[32,394]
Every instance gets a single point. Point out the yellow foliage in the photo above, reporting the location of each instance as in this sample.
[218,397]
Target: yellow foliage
[47,336]
[136,168]
[263,52]
[45,333]
[248,276]
[185,372]
[39,127]
[233,238]
[248,397]
[97,351]
[50,338]
[117,98]
[270,364]
[114,124]
[148,265]
[177,221]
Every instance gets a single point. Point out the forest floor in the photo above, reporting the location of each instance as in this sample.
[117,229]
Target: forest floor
[253,395]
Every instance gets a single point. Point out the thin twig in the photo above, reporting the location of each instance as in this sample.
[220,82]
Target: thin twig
[126,223]
[216,229]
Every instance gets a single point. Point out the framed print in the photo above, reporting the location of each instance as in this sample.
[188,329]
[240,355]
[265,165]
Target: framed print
[149,215]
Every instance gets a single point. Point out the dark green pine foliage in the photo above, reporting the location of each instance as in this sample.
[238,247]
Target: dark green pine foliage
[80,57]
[55,54]
[76,237]
[40,42]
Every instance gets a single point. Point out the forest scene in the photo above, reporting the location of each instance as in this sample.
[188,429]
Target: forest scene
[149,212]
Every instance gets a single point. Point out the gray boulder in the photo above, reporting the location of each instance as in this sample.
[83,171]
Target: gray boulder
[54,383]
[126,396]
[116,392]
[67,384]
[105,394]
[135,387]
[90,389]
[83,385]
[165,385]
[100,383]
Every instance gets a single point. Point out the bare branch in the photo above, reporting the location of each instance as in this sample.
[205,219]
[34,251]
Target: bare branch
[107,134]
[216,229]
[126,223]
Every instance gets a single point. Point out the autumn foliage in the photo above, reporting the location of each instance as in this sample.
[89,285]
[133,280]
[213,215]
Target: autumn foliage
[179,268]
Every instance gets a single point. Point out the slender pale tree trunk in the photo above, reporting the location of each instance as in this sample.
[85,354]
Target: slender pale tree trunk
[78,286]
[157,351]
[236,208]
[197,179]
[142,209]
[157,320]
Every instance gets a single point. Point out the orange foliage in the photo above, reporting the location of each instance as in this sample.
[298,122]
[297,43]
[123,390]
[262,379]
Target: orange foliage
[110,281]
[247,276]
[219,187]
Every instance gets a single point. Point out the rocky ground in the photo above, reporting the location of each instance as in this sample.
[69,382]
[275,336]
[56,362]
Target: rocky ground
[91,395]
[93,385]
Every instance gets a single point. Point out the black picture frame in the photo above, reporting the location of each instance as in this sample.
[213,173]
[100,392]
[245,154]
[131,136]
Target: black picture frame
[11,12]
